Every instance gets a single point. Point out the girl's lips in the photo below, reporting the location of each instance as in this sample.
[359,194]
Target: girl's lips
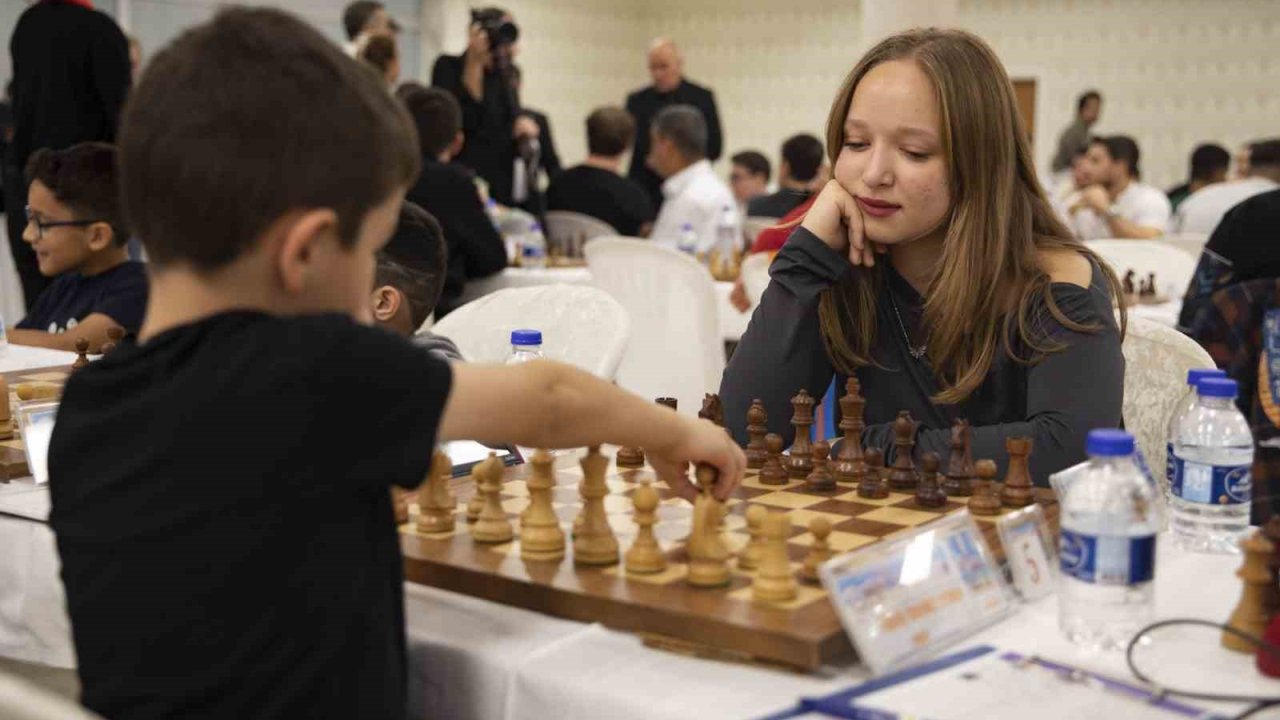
[877,208]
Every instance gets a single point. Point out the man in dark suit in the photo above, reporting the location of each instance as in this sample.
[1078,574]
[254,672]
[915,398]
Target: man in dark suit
[448,191]
[669,87]
[70,77]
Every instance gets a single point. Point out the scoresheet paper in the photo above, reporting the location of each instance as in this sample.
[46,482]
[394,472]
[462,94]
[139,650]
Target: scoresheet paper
[1007,684]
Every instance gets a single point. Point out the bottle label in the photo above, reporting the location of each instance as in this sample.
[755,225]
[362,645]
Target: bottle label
[1107,559]
[1211,484]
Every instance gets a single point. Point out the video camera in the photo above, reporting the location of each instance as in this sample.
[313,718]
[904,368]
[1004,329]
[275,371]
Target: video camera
[501,31]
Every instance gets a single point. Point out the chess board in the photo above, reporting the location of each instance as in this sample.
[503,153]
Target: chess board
[725,622]
[13,456]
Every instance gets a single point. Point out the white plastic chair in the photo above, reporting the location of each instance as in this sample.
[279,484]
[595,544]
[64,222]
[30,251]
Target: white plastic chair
[753,224]
[1156,360]
[1190,243]
[1173,267]
[564,226]
[23,700]
[755,275]
[580,325]
[676,349]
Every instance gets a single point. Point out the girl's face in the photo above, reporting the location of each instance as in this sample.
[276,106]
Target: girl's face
[892,161]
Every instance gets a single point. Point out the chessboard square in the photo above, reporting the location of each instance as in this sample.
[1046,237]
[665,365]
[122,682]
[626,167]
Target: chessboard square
[900,516]
[681,512]
[843,508]
[804,516]
[675,572]
[565,495]
[862,526]
[513,506]
[15,444]
[805,594]
[788,500]
[614,504]
[515,488]
[839,541]
[672,533]
[619,486]
[47,377]
[893,499]
[753,482]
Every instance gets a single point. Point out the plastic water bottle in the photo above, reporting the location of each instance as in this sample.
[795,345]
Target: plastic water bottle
[688,240]
[526,345]
[1108,548]
[1213,457]
[1180,410]
[4,336]
[533,251]
[728,239]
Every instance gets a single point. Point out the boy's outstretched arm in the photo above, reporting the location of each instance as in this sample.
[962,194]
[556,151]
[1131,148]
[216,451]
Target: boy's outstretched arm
[552,405]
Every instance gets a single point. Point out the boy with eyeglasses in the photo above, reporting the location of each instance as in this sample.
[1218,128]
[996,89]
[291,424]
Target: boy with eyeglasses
[75,225]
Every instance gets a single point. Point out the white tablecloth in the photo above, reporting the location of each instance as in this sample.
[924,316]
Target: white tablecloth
[732,322]
[14,358]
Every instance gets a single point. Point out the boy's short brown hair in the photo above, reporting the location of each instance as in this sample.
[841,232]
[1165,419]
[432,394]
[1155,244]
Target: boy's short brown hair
[83,177]
[610,131]
[246,118]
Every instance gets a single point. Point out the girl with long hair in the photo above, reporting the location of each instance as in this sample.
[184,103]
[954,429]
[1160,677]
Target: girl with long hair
[933,268]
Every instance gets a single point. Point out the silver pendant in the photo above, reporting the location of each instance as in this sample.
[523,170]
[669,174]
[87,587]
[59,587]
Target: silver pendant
[917,353]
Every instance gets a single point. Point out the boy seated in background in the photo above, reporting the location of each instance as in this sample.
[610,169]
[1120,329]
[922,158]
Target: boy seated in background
[76,227]
[408,279]
[220,488]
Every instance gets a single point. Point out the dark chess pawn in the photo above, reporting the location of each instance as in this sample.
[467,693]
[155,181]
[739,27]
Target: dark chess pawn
[773,473]
[986,496]
[873,485]
[928,494]
[960,463]
[903,475]
[820,479]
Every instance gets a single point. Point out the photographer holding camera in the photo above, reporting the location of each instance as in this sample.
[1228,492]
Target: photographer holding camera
[495,132]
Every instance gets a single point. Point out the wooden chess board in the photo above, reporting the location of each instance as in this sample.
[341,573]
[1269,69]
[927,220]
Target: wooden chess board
[804,633]
[13,456]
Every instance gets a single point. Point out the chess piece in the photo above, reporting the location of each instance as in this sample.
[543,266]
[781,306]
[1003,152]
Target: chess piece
[873,485]
[1017,481]
[593,541]
[6,415]
[903,475]
[708,555]
[819,478]
[757,428]
[645,556]
[629,457]
[986,496]
[749,557]
[773,473]
[1149,288]
[773,581]
[712,409]
[435,501]
[668,402]
[960,463]
[850,466]
[115,334]
[819,551]
[476,503]
[800,463]
[1129,288]
[493,525]
[541,537]
[1250,615]
[82,353]
[928,494]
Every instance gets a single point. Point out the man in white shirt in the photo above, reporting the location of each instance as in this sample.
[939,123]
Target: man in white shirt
[692,193]
[1203,210]
[1116,204]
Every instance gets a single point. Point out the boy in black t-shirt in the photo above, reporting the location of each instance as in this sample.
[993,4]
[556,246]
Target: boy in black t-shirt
[220,488]
[75,225]
[408,279]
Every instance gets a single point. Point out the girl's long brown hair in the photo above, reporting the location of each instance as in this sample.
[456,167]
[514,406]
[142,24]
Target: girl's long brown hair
[989,281]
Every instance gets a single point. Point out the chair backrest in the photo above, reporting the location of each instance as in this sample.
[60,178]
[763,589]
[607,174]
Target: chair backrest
[564,226]
[22,700]
[1190,243]
[1156,360]
[755,275]
[753,224]
[676,349]
[580,325]
[1173,267]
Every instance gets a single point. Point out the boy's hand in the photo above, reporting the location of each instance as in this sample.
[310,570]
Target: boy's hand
[701,441]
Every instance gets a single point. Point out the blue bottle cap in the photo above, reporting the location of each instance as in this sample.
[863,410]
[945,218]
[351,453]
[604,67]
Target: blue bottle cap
[1219,387]
[526,337]
[1109,442]
[1195,375]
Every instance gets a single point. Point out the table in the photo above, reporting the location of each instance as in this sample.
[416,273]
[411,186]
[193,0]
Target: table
[1165,313]
[14,358]
[732,322]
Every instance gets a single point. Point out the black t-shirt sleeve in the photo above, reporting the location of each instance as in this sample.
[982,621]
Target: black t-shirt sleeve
[125,301]
[383,399]
[38,315]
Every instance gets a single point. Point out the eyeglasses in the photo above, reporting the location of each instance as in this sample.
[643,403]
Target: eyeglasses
[41,225]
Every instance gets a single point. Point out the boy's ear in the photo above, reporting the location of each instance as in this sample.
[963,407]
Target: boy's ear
[297,252]
[101,236]
[455,147]
[386,303]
